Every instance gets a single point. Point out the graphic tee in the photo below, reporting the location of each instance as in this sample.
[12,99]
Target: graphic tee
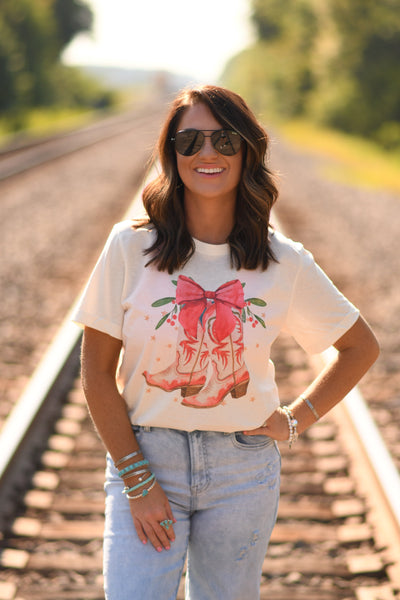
[196,344]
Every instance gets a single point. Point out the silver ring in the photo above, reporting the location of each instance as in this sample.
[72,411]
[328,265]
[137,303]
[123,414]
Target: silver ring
[166,523]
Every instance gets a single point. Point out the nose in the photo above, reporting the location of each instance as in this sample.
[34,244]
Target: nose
[207,148]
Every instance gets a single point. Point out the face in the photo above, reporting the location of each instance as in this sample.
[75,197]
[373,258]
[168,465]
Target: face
[207,174]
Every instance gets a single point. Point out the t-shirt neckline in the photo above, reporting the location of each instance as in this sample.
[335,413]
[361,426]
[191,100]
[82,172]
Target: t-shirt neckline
[211,249]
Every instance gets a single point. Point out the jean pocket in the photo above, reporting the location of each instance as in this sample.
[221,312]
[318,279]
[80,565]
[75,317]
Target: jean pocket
[251,442]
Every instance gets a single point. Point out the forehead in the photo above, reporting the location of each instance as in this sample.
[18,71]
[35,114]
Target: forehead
[198,116]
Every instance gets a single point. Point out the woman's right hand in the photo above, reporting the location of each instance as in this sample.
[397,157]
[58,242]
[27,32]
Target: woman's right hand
[148,512]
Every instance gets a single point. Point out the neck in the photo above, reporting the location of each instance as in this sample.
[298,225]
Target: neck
[209,222]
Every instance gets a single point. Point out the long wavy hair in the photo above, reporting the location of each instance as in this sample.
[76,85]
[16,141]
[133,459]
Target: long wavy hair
[256,194]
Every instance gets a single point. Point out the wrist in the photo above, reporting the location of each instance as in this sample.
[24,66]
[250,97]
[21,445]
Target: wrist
[292,425]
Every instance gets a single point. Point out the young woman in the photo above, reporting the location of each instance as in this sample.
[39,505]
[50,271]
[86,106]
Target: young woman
[180,314]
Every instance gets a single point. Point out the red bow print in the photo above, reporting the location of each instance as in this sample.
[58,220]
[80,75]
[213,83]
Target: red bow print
[193,301]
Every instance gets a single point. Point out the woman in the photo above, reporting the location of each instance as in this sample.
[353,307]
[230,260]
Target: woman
[180,314]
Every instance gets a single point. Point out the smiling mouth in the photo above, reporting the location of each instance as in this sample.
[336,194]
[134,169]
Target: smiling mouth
[212,171]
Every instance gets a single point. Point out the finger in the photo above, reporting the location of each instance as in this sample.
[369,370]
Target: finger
[163,535]
[154,538]
[140,532]
[258,431]
[171,517]
[168,527]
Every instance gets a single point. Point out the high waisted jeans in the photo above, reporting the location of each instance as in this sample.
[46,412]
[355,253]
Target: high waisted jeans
[223,490]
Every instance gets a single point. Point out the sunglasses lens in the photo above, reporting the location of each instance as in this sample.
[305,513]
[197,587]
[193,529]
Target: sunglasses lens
[189,141]
[226,142]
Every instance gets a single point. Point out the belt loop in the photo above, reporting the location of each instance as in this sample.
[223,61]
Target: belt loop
[146,428]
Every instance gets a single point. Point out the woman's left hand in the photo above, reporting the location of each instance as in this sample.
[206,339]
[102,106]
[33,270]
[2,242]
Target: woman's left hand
[276,426]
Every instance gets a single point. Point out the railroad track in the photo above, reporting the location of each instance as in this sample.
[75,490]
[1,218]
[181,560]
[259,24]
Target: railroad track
[17,159]
[333,540]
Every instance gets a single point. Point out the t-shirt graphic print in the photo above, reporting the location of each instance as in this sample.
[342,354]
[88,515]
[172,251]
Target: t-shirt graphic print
[209,363]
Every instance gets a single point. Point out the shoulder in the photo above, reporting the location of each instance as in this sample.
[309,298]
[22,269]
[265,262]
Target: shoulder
[127,235]
[286,250]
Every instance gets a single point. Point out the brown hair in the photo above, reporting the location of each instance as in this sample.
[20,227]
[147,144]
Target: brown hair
[163,197]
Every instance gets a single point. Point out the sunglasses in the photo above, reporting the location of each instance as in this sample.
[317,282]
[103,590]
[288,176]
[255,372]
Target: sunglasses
[190,141]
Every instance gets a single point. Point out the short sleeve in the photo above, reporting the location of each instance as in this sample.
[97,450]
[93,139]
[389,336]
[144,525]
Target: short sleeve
[100,305]
[319,314]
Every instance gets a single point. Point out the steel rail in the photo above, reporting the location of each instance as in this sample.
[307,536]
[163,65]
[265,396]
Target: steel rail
[369,436]
[27,427]
[373,444]
[19,159]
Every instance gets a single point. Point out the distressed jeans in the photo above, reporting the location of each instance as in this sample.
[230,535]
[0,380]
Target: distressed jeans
[223,490]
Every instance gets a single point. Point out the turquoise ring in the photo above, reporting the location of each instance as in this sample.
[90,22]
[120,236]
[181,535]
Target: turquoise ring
[166,523]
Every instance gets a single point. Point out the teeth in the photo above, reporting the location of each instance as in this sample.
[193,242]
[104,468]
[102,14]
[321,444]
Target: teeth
[215,170]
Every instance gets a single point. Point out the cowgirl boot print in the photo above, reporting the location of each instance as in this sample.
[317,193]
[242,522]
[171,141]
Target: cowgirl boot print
[189,371]
[229,373]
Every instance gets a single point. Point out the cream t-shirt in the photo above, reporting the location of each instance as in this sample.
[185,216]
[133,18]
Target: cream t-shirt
[196,344]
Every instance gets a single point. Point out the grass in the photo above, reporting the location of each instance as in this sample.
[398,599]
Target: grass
[37,122]
[352,159]
[44,121]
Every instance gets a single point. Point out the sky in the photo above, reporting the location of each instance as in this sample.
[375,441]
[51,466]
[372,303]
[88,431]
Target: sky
[194,38]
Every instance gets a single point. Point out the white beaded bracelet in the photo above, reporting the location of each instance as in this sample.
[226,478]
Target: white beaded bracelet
[292,424]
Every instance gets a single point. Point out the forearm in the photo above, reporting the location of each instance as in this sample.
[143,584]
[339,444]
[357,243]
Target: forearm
[357,351]
[109,413]
[100,356]
[333,383]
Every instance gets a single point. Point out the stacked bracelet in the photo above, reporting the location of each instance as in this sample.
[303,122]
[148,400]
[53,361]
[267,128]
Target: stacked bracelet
[127,457]
[292,424]
[143,494]
[135,474]
[128,490]
[134,470]
[310,406]
[140,463]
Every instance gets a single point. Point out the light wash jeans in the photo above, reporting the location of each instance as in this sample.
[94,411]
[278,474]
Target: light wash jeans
[223,490]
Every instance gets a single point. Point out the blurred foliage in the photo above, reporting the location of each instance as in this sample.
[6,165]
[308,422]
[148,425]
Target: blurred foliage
[33,34]
[334,61]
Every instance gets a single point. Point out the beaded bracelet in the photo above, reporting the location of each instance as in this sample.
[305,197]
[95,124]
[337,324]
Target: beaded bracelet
[127,457]
[127,490]
[292,423]
[143,494]
[310,406]
[140,463]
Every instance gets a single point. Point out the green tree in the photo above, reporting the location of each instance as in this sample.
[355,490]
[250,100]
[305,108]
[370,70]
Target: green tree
[32,35]
[276,70]
[368,58]
[336,61]
[72,17]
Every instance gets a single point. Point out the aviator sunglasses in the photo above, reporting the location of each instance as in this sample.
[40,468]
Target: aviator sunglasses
[190,141]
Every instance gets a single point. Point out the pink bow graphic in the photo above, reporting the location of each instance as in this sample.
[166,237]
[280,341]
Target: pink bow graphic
[193,302]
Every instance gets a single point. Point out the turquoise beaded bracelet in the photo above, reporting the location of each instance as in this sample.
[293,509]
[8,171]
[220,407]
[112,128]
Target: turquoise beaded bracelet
[140,463]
